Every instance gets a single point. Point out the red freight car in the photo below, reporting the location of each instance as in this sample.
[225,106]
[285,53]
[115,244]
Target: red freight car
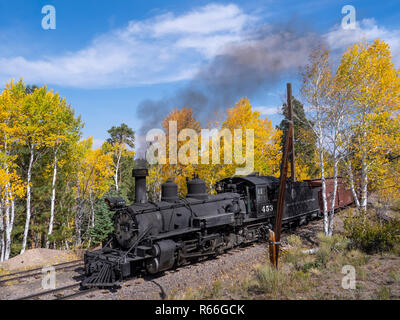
[344,197]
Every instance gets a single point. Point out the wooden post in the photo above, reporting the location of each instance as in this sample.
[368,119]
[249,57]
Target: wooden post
[282,186]
[272,253]
[290,108]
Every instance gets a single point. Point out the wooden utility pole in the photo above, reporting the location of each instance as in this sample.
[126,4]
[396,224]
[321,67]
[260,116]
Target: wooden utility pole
[290,108]
[275,236]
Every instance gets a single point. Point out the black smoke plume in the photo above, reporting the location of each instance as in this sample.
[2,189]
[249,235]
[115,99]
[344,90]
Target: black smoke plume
[241,69]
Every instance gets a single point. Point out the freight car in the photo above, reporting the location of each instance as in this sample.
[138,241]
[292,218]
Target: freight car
[153,237]
[344,196]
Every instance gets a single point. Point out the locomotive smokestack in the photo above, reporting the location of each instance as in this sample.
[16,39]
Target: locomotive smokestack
[140,184]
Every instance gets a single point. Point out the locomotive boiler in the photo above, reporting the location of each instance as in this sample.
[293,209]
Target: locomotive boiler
[153,237]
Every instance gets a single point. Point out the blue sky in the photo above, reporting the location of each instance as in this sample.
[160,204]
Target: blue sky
[106,57]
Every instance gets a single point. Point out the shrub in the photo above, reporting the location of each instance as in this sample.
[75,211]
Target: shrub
[294,255]
[279,283]
[312,265]
[383,293]
[395,276]
[356,257]
[200,293]
[369,234]
[327,244]
[269,279]
[294,241]
[215,291]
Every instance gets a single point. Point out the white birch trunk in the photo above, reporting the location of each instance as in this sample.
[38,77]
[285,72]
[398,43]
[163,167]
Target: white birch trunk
[78,224]
[9,228]
[2,249]
[117,170]
[3,206]
[53,200]
[333,200]
[116,179]
[78,231]
[324,202]
[9,218]
[28,201]
[352,187]
[6,217]
[2,245]
[364,184]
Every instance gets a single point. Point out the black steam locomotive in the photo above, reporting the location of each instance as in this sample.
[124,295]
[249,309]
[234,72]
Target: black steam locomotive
[153,237]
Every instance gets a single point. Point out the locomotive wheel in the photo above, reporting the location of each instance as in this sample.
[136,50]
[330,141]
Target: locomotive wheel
[152,266]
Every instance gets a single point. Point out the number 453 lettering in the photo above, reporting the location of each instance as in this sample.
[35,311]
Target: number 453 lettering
[267,208]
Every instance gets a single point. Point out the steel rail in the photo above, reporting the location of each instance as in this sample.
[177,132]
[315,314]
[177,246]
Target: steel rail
[61,266]
[36,269]
[75,294]
[35,295]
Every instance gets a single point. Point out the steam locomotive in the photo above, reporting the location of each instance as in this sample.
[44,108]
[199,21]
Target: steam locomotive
[154,237]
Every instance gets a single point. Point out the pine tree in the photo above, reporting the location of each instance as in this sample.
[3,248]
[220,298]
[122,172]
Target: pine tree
[103,222]
[304,140]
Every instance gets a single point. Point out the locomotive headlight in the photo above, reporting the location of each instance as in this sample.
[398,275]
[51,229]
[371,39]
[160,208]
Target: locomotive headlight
[115,203]
[126,229]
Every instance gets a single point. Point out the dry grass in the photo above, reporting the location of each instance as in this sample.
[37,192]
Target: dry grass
[280,283]
[201,293]
[312,276]
[317,274]
[383,293]
[4,272]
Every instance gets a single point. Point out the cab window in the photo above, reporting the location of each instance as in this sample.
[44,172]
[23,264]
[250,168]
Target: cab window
[262,194]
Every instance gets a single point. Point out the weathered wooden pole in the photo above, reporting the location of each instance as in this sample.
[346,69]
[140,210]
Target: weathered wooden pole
[276,236]
[290,108]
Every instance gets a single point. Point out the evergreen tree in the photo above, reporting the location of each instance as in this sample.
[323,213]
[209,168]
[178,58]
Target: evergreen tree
[103,222]
[304,139]
[121,138]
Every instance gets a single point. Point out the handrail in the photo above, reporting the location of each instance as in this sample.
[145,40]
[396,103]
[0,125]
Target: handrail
[135,244]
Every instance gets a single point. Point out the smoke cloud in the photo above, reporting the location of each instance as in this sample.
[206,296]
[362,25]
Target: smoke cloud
[239,70]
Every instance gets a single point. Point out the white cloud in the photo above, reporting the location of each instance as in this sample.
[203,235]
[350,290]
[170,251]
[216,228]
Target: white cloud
[170,47]
[209,19]
[366,29]
[267,111]
[141,53]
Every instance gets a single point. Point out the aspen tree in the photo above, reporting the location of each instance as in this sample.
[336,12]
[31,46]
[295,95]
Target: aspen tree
[65,130]
[367,72]
[92,181]
[11,185]
[316,81]
[267,140]
[34,125]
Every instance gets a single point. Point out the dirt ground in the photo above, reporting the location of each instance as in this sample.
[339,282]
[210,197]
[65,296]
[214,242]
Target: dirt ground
[377,276]
[230,276]
[39,257]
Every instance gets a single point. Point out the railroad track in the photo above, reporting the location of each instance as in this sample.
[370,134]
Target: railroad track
[75,290]
[18,276]
[61,293]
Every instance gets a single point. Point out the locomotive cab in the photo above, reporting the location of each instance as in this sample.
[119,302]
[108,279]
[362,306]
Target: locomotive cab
[256,191]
